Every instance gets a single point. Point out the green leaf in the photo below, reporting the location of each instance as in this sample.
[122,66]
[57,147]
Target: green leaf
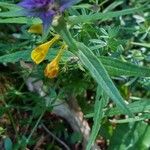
[9,6]
[127,120]
[14,15]
[136,107]
[142,105]
[21,20]
[98,115]
[75,137]
[141,44]
[101,76]
[8,144]
[15,57]
[112,6]
[118,67]
[103,16]
[63,31]
[139,132]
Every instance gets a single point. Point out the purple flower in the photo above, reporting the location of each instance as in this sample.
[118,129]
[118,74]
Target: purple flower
[45,9]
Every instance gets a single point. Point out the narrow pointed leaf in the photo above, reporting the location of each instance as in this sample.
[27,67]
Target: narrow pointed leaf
[101,76]
[98,115]
[118,67]
[103,16]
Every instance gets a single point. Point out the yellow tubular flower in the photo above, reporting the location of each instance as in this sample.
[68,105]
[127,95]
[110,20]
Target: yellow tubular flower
[40,52]
[37,28]
[52,69]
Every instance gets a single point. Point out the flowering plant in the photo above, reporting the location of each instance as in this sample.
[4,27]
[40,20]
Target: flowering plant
[59,62]
[46,10]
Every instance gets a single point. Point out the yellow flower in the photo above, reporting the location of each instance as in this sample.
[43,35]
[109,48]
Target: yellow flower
[40,52]
[37,28]
[52,69]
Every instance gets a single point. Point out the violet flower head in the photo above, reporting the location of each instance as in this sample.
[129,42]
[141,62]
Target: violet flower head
[45,9]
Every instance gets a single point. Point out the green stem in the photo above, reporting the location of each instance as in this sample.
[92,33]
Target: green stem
[10,116]
[63,31]
[34,128]
[94,65]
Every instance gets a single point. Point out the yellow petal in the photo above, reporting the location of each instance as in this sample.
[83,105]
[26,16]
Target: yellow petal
[40,52]
[52,69]
[37,28]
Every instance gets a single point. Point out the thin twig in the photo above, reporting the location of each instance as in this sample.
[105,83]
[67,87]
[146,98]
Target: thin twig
[55,137]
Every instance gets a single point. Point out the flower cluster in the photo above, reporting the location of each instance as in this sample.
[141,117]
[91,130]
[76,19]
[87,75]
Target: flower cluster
[46,10]
[40,52]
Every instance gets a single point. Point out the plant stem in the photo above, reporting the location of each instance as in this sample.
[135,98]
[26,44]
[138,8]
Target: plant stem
[62,30]
[34,128]
[10,116]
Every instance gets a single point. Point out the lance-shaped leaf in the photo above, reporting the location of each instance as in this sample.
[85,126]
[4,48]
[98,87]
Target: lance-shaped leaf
[99,73]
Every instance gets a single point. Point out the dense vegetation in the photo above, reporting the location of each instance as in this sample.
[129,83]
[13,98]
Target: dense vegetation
[95,94]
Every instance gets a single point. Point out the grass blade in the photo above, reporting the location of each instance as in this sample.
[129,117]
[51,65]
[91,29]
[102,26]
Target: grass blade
[98,115]
[103,16]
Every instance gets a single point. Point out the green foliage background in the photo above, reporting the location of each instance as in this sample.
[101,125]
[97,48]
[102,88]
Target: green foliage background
[107,66]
